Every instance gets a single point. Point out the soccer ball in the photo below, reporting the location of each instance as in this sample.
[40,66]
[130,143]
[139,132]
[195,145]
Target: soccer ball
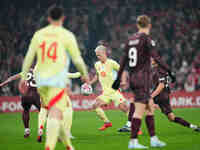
[86,89]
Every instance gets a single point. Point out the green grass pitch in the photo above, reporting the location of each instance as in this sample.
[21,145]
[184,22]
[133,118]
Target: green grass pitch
[85,125]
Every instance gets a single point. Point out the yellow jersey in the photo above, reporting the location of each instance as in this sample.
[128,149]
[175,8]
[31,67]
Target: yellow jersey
[106,73]
[50,45]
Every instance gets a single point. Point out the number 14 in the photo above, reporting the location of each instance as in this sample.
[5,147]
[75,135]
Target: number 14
[51,51]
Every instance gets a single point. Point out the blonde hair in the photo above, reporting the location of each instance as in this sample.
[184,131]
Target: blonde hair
[143,21]
[100,48]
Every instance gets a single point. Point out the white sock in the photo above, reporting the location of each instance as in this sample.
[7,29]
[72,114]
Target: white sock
[128,124]
[193,126]
[134,141]
[153,138]
[27,130]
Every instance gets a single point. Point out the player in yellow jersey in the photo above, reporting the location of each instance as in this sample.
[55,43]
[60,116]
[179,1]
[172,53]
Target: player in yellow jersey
[50,45]
[43,111]
[106,69]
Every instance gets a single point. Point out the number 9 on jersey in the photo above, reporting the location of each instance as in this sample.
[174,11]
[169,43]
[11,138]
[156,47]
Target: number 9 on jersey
[132,54]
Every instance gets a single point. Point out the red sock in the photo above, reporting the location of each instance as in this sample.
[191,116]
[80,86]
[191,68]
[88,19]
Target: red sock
[150,125]
[182,122]
[131,111]
[135,126]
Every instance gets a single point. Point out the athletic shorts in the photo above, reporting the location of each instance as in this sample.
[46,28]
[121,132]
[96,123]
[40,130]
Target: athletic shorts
[31,98]
[163,102]
[112,95]
[140,85]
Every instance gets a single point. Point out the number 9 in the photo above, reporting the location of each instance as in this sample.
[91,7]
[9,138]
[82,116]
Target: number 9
[132,57]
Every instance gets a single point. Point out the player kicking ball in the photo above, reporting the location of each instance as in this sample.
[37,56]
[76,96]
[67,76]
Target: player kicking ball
[105,69]
[161,94]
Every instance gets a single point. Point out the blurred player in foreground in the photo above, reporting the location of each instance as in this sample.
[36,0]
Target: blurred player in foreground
[50,45]
[161,94]
[29,98]
[43,110]
[138,51]
[105,69]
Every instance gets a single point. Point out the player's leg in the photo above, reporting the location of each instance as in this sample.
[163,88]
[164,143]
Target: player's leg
[26,115]
[149,119]
[66,128]
[100,101]
[42,117]
[140,109]
[54,96]
[127,126]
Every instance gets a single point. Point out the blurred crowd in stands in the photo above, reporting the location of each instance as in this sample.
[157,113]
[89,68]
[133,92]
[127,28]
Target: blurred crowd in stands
[176,30]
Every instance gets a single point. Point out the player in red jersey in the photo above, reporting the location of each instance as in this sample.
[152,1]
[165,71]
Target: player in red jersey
[138,51]
[160,82]
[29,98]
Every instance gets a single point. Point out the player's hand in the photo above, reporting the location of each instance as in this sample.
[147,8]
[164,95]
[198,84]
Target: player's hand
[85,79]
[172,76]
[1,84]
[22,86]
[116,84]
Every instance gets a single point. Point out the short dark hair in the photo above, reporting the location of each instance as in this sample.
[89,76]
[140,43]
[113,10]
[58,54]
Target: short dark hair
[55,12]
[143,21]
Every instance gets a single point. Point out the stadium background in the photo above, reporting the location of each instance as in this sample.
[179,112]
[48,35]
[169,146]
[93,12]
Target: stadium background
[176,25]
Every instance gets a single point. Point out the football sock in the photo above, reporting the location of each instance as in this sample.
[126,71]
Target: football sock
[193,126]
[150,125]
[128,124]
[26,118]
[53,126]
[181,121]
[101,114]
[131,111]
[135,126]
[41,120]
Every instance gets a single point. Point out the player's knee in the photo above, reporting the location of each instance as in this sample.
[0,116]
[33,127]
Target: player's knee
[171,117]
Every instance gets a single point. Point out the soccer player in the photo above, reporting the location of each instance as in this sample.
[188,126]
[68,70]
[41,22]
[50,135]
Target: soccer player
[105,69]
[50,45]
[161,93]
[138,51]
[43,110]
[31,97]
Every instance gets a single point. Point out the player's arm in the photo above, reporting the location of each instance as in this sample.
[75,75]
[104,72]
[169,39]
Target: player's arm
[74,75]
[115,65]
[163,81]
[123,63]
[158,90]
[29,58]
[74,52]
[12,78]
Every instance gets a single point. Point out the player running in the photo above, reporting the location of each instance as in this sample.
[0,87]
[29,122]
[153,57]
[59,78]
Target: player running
[161,93]
[138,50]
[29,98]
[50,45]
[105,69]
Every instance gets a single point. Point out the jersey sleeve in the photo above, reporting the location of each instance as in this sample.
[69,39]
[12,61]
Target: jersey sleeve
[115,65]
[28,60]
[152,47]
[74,75]
[74,52]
